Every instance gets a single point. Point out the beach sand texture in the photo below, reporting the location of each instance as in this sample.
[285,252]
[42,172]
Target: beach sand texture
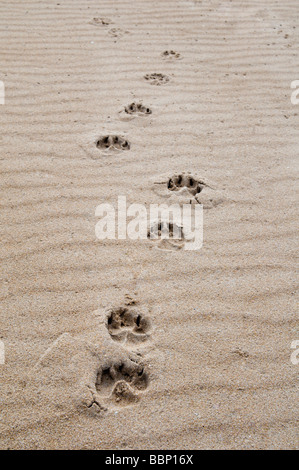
[116,344]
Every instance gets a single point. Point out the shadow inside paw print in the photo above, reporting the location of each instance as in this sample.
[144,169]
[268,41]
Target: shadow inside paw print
[156,78]
[127,325]
[113,142]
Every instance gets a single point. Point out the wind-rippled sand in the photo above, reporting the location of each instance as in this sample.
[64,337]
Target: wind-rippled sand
[117,344]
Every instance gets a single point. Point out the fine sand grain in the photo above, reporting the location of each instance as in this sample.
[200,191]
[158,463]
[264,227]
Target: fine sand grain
[123,344]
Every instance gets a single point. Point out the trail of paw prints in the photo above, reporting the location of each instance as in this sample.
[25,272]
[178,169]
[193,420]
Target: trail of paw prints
[166,235]
[171,55]
[110,142]
[156,78]
[128,325]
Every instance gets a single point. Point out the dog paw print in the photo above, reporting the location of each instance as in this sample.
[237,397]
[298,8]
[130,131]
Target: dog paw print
[156,78]
[127,325]
[184,185]
[112,142]
[137,108]
[121,383]
[117,33]
[170,55]
[177,182]
[167,235]
[100,21]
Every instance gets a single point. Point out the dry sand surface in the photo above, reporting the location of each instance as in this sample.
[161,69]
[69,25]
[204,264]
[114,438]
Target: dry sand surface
[118,344]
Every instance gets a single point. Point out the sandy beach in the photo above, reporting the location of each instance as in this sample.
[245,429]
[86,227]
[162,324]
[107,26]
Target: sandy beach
[143,344]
